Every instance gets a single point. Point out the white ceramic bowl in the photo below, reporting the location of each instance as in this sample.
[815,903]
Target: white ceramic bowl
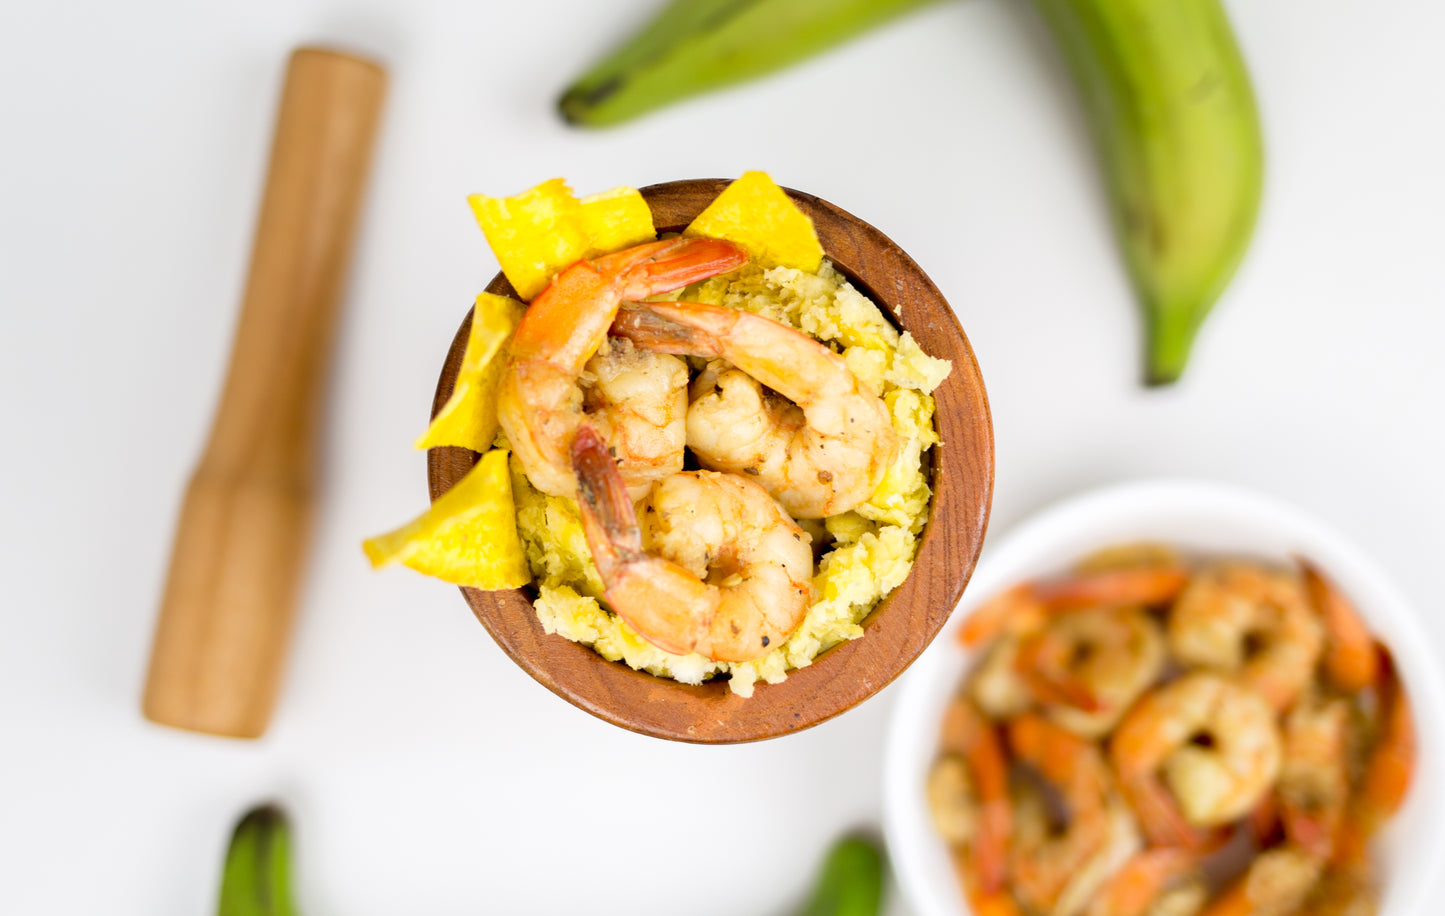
[1204,517]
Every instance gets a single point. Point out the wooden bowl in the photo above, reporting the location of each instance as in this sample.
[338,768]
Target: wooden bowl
[900,626]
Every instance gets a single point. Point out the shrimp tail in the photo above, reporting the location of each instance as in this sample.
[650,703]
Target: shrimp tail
[1025,606]
[608,518]
[650,330]
[1149,585]
[665,605]
[985,898]
[1016,609]
[967,732]
[1057,753]
[1038,663]
[1391,765]
[660,267]
[785,360]
[1350,659]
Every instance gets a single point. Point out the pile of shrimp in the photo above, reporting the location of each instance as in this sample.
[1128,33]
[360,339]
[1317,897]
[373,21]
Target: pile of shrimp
[687,461]
[1146,737]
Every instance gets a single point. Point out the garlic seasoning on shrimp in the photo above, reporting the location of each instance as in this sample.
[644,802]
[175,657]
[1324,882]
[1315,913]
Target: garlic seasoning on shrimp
[637,401]
[814,437]
[1389,768]
[1058,871]
[968,794]
[1160,881]
[719,569]
[1080,647]
[1194,754]
[1250,622]
[1087,667]
[995,683]
[1277,883]
[1350,660]
[1314,781]
[540,403]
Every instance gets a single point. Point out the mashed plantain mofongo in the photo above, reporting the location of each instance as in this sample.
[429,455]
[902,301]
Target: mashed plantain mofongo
[872,547]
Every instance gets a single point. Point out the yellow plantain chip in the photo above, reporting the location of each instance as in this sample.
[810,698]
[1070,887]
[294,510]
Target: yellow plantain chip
[541,231]
[469,417]
[468,536]
[758,215]
[533,234]
[616,219]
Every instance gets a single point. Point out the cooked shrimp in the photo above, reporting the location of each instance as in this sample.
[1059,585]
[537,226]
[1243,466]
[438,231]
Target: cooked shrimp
[1276,883]
[1263,821]
[1196,753]
[1026,607]
[1350,660]
[1388,772]
[1238,618]
[1162,879]
[1129,555]
[1313,778]
[540,403]
[1057,871]
[968,792]
[1135,585]
[1014,611]
[951,800]
[996,685]
[1085,665]
[1352,891]
[1088,666]
[637,401]
[729,574]
[815,439]
[996,902]
[1391,765]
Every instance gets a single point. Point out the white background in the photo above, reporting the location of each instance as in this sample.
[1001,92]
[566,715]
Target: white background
[425,772]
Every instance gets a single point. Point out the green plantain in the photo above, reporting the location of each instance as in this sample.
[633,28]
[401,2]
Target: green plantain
[851,883]
[1166,92]
[256,880]
[1174,117]
[696,45]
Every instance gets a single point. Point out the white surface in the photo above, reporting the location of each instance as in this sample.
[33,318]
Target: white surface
[426,773]
[1204,519]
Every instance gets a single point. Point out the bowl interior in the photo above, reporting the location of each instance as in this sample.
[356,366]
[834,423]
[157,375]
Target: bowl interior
[1210,519]
[899,627]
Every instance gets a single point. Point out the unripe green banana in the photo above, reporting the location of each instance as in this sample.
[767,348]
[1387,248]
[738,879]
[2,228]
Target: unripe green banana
[697,45]
[851,883]
[1174,117]
[257,876]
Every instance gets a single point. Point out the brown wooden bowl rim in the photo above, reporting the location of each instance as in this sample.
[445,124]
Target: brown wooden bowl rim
[896,630]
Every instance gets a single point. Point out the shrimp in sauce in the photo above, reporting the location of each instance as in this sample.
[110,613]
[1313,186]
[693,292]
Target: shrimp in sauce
[1244,620]
[1196,753]
[1057,869]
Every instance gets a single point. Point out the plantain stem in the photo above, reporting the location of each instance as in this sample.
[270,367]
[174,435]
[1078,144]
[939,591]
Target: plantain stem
[851,882]
[1169,336]
[256,880]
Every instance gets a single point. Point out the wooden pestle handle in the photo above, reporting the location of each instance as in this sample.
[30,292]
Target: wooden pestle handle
[244,527]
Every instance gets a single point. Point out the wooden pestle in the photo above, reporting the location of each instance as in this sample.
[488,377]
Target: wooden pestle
[245,524]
